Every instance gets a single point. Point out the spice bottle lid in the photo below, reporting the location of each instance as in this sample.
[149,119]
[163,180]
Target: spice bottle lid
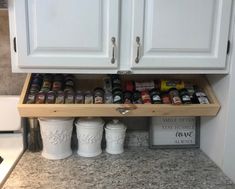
[115,124]
[89,121]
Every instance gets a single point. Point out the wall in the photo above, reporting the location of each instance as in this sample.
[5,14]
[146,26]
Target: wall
[218,133]
[10,83]
[213,128]
[3,3]
[229,151]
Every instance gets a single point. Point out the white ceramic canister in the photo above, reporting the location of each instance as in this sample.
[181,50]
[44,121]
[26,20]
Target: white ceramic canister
[89,134]
[56,137]
[115,132]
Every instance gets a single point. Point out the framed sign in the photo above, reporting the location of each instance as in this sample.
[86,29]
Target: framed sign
[174,132]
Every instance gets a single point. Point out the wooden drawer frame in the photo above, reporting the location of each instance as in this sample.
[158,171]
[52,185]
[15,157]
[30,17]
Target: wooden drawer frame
[121,110]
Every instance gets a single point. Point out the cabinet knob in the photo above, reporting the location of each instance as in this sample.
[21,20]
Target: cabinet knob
[125,110]
[137,59]
[113,40]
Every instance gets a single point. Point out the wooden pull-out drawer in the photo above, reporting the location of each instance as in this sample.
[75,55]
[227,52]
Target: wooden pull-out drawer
[121,110]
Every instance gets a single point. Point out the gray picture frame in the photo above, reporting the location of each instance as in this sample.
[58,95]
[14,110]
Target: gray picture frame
[178,146]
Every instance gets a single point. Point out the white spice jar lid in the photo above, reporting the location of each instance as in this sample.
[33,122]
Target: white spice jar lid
[115,124]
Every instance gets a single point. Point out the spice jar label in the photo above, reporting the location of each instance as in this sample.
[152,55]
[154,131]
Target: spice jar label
[98,100]
[203,100]
[116,98]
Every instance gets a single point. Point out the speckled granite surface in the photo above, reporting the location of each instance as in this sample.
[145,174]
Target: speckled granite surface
[136,168]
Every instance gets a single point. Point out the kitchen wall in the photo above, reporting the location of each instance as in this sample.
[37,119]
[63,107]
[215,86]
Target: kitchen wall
[10,83]
[218,133]
[3,3]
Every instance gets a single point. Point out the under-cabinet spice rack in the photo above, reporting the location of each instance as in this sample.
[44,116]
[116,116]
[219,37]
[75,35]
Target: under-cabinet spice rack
[121,110]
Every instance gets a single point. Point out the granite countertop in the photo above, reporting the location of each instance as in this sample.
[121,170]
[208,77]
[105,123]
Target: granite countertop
[136,168]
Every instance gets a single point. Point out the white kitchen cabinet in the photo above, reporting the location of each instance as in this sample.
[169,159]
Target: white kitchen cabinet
[58,34]
[151,36]
[180,34]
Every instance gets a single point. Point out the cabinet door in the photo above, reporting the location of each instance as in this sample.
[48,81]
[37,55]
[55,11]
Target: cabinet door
[180,34]
[67,34]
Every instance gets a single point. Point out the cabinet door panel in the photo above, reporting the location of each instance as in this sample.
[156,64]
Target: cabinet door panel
[66,34]
[181,34]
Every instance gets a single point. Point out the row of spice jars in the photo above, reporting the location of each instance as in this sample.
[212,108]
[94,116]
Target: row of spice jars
[70,97]
[153,96]
[50,82]
[183,96]
[148,92]
[48,89]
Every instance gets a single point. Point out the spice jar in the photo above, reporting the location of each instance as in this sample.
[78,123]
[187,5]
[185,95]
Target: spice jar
[117,96]
[79,98]
[137,97]
[144,85]
[69,83]
[200,97]
[40,97]
[185,97]
[34,88]
[69,97]
[174,96]
[58,82]
[88,97]
[146,99]
[50,97]
[69,80]
[107,84]
[36,83]
[47,83]
[129,86]
[60,97]
[37,75]
[190,88]
[155,96]
[108,98]
[31,98]
[115,80]
[116,83]
[127,97]
[98,96]
[165,98]
[167,84]
[68,88]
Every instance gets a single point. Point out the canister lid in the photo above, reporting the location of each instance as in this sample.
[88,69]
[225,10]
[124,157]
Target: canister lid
[56,119]
[115,124]
[89,121]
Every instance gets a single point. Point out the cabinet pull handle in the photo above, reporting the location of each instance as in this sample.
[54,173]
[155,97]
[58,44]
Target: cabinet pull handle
[137,59]
[14,44]
[113,40]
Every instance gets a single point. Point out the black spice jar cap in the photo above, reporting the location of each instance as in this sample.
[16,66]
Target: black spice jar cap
[172,89]
[115,90]
[59,77]
[137,93]
[127,94]
[48,77]
[99,89]
[183,91]
[154,91]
